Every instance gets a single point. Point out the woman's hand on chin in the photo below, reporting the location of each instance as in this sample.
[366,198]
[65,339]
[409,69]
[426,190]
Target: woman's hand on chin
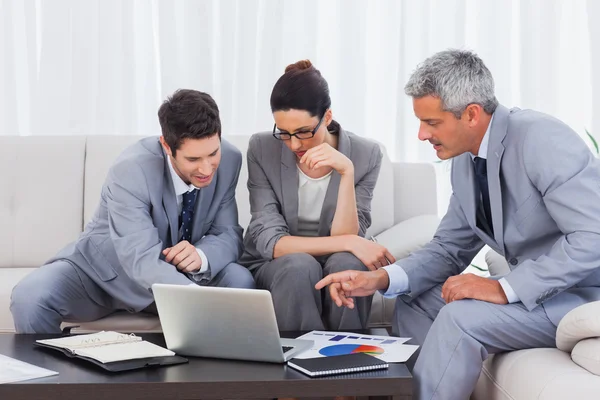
[324,155]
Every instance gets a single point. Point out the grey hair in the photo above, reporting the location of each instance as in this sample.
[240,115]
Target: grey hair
[458,78]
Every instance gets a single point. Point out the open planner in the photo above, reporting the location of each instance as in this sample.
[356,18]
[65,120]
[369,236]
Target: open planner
[113,351]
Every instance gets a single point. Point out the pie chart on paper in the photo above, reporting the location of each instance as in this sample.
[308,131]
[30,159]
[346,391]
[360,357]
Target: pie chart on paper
[343,349]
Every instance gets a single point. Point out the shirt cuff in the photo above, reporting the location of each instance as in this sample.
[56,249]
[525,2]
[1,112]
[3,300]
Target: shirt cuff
[508,291]
[398,281]
[199,275]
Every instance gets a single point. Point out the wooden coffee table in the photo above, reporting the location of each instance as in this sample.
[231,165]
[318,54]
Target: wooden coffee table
[201,378]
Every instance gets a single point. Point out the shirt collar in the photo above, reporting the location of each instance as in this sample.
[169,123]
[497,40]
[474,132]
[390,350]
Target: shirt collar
[483,147]
[178,184]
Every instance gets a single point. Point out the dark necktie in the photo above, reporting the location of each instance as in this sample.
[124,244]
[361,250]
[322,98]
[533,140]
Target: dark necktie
[187,214]
[482,187]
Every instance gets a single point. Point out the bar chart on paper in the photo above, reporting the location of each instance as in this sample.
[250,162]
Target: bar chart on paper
[327,344]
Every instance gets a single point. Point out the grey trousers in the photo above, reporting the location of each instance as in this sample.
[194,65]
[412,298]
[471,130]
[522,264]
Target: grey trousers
[60,291]
[456,338]
[291,280]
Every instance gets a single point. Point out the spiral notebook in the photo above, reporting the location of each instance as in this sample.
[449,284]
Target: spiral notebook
[344,364]
[113,351]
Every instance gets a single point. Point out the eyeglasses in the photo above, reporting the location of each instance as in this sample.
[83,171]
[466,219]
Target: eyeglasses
[302,135]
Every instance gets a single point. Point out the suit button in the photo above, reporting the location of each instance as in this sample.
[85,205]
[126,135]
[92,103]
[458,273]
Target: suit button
[513,261]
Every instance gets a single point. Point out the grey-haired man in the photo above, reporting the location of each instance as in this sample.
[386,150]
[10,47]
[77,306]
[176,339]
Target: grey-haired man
[523,183]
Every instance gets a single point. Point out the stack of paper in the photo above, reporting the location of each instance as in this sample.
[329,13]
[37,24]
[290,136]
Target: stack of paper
[12,370]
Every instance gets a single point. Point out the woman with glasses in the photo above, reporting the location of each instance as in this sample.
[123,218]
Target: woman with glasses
[311,185]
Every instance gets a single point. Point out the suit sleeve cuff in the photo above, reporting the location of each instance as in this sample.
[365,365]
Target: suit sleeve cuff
[204,268]
[511,295]
[398,281]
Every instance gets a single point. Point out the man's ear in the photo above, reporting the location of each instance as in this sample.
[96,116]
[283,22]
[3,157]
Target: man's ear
[473,112]
[166,146]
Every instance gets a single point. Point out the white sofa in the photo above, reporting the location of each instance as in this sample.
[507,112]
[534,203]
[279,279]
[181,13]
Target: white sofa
[570,371]
[50,187]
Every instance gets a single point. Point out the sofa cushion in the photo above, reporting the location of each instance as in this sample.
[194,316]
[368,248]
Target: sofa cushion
[40,197]
[586,354]
[408,236]
[580,323]
[382,205]
[242,196]
[543,374]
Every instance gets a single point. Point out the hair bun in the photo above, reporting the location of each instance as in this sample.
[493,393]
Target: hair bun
[299,66]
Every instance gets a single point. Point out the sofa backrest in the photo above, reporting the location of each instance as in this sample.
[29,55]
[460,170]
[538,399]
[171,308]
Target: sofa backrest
[102,151]
[41,203]
[50,187]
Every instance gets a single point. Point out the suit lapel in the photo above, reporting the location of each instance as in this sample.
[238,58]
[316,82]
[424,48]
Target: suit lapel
[494,158]
[170,202]
[330,201]
[289,188]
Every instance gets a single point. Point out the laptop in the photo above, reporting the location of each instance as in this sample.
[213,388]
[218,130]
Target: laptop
[218,322]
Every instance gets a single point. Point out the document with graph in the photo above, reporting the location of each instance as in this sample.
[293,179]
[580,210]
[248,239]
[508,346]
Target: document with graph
[113,351]
[328,343]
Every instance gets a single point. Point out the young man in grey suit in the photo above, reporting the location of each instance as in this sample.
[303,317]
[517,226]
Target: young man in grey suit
[167,214]
[523,183]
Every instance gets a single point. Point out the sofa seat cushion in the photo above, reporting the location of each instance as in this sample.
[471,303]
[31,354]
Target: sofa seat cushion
[543,374]
[121,321]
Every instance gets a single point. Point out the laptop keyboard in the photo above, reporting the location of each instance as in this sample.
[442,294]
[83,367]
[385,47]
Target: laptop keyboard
[286,348]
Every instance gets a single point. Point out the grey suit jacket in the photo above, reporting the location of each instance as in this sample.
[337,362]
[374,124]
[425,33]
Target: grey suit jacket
[544,188]
[137,218]
[273,186]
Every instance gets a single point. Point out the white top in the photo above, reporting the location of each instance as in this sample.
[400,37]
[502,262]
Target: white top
[311,194]
[180,189]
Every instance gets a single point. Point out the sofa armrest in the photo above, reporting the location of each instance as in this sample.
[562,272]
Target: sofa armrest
[586,354]
[409,235]
[415,191]
[579,333]
[580,323]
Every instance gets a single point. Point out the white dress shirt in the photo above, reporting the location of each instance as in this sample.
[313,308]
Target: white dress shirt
[311,194]
[397,276]
[180,189]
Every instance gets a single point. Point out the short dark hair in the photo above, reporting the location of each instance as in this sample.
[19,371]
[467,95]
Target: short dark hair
[188,114]
[302,87]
